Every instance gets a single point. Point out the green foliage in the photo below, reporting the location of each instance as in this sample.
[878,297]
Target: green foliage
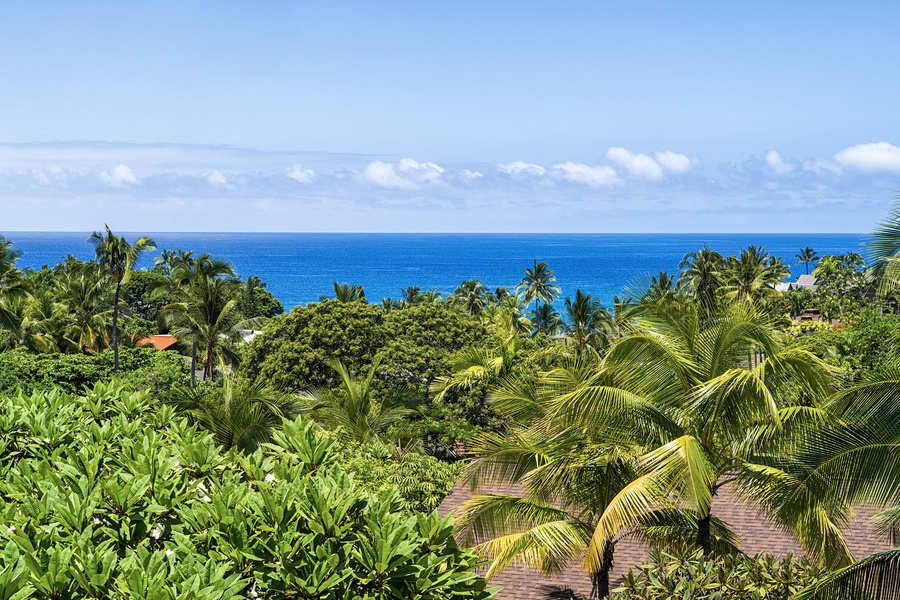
[292,349]
[416,341]
[102,496]
[140,368]
[256,301]
[422,481]
[670,576]
[863,346]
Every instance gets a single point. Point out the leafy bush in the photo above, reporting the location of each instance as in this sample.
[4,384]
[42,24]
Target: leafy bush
[140,368]
[103,496]
[422,481]
[671,576]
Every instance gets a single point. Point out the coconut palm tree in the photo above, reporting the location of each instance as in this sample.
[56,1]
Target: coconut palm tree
[117,257]
[590,323]
[546,319]
[683,386]
[344,292]
[539,284]
[855,444]
[240,414]
[807,256]
[701,276]
[471,296]
[354,407]
[83,289]
[754,274]
[567,474]
[207,311]
[12,284]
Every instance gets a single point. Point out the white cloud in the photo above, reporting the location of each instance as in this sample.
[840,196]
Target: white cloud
[820,166]
[879,156]
[218,178]
[777,163]
[422,172]
[118,176]
[301,175]
[471,175]
[521,167]
[673,162]
[639,165]
[383,174]
[588,175]
[649,167]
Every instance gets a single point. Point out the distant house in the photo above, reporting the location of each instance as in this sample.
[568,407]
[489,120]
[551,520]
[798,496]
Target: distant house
[806,282]
[160,342]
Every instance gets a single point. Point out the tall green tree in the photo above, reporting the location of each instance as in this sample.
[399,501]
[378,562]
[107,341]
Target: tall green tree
[806,257]
[754,274]
[701,276]
[11,282]
[685,387]
[539,284]
[117,257]
[590,325]
[207,311]
[471,296]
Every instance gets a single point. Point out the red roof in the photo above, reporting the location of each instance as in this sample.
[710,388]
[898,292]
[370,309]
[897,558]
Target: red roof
[160,342]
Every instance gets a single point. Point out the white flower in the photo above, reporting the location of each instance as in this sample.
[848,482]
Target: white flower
[96,520]
[270,478]
[205,498]
[157,531]
[12,529]
[169,552]
[46,440]
[200,486]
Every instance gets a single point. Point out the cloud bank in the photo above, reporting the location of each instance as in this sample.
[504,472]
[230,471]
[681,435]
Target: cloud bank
[165,187]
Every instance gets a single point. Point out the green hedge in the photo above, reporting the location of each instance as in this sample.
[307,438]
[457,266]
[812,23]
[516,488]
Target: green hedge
[107,496]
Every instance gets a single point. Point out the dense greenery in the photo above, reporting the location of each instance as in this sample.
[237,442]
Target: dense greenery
[102,496]
[691,575]
[614,422]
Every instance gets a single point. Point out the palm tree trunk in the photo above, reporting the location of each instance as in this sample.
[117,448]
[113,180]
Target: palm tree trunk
[600,577]
[194,362]
[703,535]
[115,332]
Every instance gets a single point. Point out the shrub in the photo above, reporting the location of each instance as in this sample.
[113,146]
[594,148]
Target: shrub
[108,496]
[670,576]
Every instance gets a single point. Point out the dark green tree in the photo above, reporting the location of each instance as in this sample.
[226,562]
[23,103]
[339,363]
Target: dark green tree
[117,257]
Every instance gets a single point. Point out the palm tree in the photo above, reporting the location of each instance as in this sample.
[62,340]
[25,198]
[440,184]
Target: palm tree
[344,292]
[539,284]
[806,257]
[117,257]
[354,406]
[568,475]
[83,289]
[207,311]
[470,296]
[700,274]
[488,364]
[547,320]
[855,444]
[754,274]
[590,323]
[681,384]
[12,283]
[239,414]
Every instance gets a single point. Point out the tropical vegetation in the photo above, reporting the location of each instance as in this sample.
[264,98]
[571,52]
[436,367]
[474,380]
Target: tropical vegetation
[199,470]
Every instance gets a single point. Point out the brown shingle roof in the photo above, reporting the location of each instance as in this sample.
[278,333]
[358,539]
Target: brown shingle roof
[758,534]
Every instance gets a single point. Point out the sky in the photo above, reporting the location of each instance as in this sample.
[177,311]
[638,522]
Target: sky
[466,116]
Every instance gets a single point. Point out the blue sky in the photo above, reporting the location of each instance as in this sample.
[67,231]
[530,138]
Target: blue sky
[458,116]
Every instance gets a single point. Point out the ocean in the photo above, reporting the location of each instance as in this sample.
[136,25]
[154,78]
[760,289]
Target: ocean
[300,267]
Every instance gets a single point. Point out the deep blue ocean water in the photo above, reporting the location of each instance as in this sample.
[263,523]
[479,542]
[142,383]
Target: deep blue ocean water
[300,267]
